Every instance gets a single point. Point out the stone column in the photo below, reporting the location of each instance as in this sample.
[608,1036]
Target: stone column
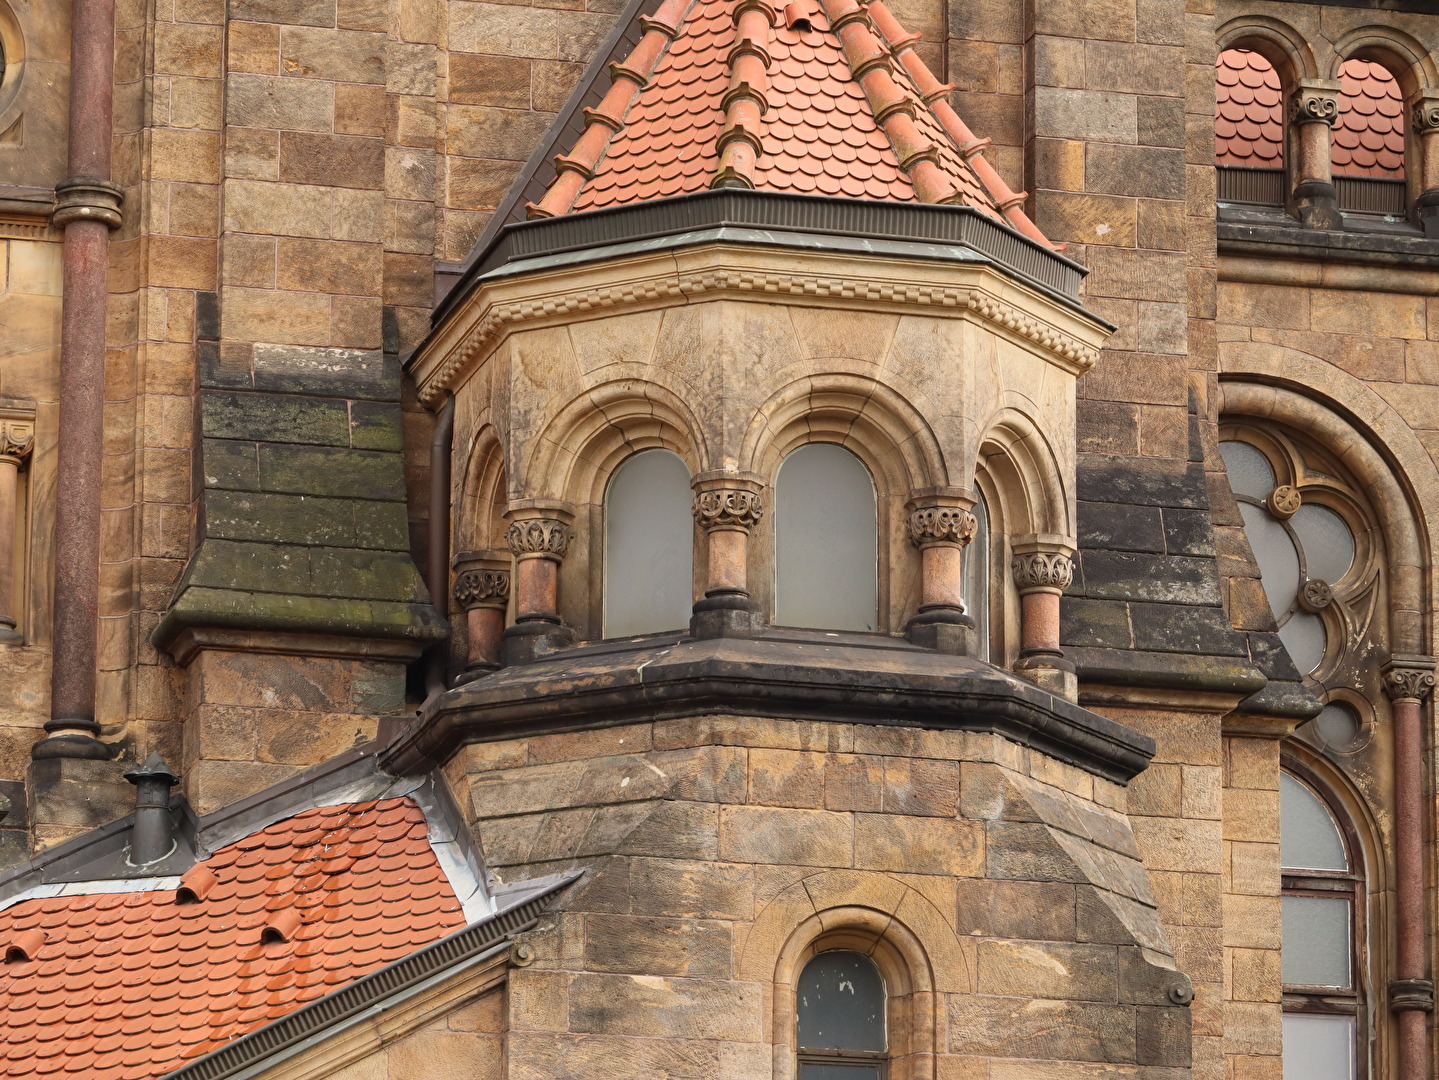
[1425,124]
[482,590]
[941,525]
[1409,680]
[727,506]
[539,537]
[1313,108]
[1042,571]
[17,440]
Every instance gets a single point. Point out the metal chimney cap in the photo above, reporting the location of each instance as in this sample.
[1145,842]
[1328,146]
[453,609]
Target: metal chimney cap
[152,768]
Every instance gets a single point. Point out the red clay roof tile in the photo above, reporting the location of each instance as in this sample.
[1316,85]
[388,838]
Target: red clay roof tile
[1368,136]
[131,985]
[740,93]
[1248,112]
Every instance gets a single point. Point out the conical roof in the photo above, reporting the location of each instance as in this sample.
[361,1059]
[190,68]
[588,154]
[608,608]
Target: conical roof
[821,97]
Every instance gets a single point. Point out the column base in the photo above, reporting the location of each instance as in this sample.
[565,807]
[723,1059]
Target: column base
[944,629]
[1049,670]
[1317,204]
[472,671]
[71,739]
[726,613]
[1428,206]
[534,638]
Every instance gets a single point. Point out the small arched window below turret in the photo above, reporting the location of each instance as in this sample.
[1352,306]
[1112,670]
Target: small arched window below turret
[977,575]
[840,1009]
[649,546]
[826,541]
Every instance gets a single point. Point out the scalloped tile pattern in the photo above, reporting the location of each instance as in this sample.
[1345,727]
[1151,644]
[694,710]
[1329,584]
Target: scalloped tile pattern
[1368,137]
[1248,111]
[132,985]
[820,136]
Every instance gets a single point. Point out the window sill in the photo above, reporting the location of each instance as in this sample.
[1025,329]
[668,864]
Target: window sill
[1253,232]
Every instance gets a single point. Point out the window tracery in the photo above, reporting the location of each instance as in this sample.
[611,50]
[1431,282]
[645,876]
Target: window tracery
[1312,537]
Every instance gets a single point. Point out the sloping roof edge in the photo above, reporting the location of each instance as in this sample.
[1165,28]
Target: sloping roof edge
[522,905]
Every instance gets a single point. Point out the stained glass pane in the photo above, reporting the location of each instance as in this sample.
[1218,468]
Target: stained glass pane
[1328,544]
[1315,941]
[840,1002]
[1249,471]
[1275,553]
[827,541]
[649,546]
[1318,1047]
[1308,835]
[1303,635]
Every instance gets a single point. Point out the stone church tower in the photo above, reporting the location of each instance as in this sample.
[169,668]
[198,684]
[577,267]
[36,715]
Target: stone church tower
[570,540]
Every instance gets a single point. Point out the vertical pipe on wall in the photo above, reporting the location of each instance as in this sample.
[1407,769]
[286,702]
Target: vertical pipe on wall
[87,208]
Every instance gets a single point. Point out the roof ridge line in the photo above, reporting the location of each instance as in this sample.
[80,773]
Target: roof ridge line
[628,78]
[745,104]
[936,95]
[871,64]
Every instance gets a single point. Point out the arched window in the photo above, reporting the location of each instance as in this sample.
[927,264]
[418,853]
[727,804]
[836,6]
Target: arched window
[1297,514]
[1322,958]
[1248,130]
[649,546]
[976,575]
[826,541]
[1367,143]
[840,1007]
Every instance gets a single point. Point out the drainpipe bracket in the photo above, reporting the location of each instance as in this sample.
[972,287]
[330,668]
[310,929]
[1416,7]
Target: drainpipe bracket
[86,198]
[1411,995]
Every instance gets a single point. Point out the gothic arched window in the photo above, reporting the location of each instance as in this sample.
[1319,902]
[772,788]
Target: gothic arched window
[826,541]
[840,1011]
[1322,956]
[1305,525]
[977,575]
[649,546]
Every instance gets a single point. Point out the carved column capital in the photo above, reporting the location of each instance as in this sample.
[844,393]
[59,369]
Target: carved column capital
[17,439]
[482,588]
[1315,101]
[1426,113]
[539,538]
[731,501]
[1042,571]
[928,526]
[1409,678]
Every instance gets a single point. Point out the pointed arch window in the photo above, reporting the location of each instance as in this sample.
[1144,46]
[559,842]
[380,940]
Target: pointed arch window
[649,546]
[840,1011]
[1322,957]
[826,541]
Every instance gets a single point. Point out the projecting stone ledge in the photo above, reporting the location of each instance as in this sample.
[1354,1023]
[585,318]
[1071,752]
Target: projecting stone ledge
[786,675]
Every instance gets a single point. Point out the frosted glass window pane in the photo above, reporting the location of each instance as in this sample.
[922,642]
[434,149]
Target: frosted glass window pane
[809,1070]
[827,541]
[1328,544]
[1274,552]
[1303,635]
[1308,835]
[649,546]
[1338,725]
[840,1003]
[1318,1047]
[1249,471]
[1315,941]
[976,575]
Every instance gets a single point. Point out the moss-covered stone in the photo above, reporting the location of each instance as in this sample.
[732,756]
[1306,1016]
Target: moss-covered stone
[324,470]
[283,418]
[231,465]
[376,425]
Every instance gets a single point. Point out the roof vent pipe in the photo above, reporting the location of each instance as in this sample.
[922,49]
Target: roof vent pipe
[153,834]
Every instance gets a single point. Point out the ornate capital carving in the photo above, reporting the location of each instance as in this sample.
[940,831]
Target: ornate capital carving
[547,538]
[1409,679]
[1411,995]
[17,440]
[84,198]
[931,525]
[1314,105]
[1284,501]
[728,508]
[482,588]
[1047,570]
[1426,115]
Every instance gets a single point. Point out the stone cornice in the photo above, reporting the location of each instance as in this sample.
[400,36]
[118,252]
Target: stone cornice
[973,291]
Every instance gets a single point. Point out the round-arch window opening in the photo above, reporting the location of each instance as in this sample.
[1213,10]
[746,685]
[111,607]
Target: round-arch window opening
[649,545]
[840,1010]
[826,541]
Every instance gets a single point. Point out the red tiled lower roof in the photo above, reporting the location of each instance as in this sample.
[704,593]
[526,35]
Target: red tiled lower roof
[1248,111]
[1368,137]
[127,986]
